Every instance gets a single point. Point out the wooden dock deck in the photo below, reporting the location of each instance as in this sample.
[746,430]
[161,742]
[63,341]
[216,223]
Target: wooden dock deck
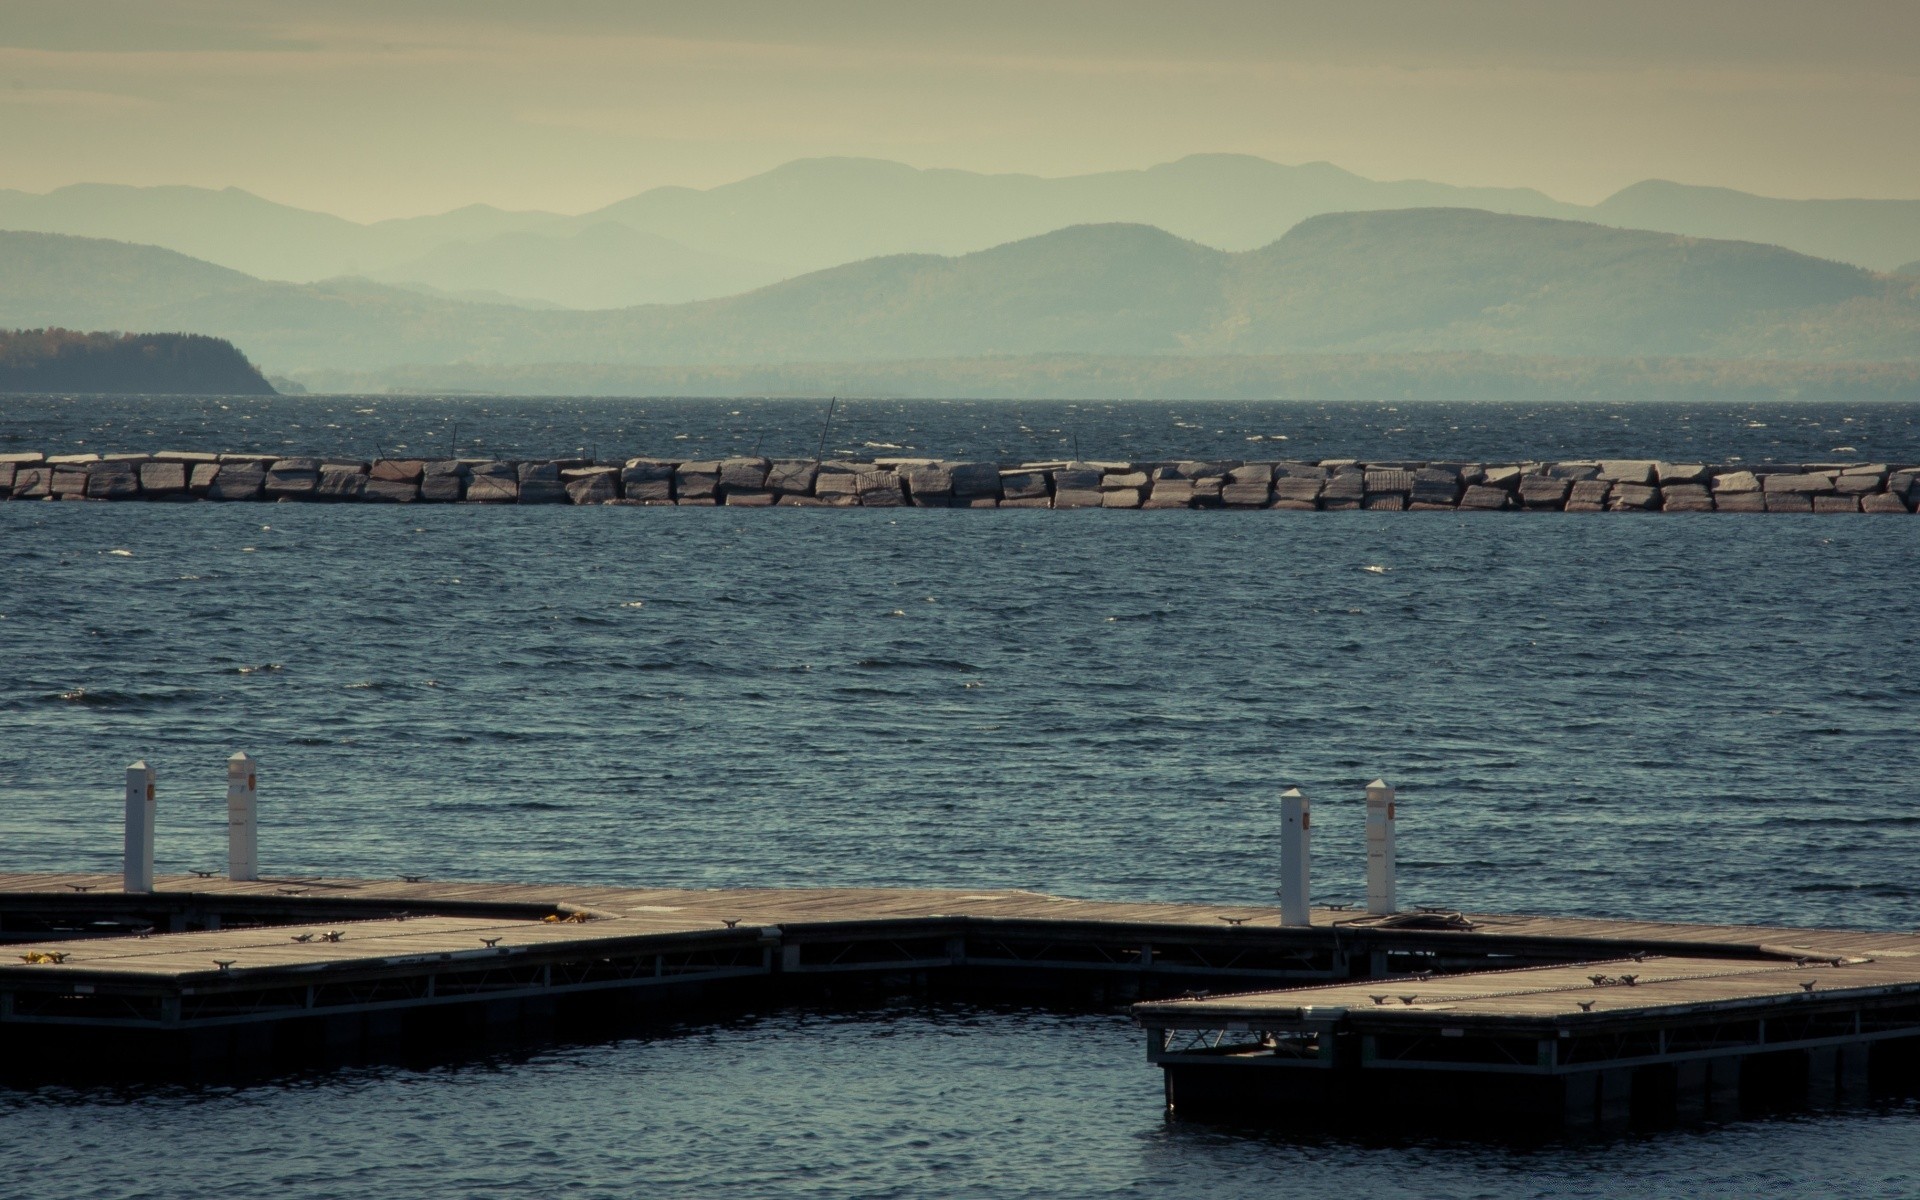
[209,975]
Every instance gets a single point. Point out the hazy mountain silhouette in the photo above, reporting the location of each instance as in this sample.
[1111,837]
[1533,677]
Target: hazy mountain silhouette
[817,213]
[604,265]
[1402,281]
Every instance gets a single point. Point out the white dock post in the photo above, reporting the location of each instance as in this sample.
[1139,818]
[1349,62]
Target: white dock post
[139,861]
[1380,852]
[243,828]
[1295,843]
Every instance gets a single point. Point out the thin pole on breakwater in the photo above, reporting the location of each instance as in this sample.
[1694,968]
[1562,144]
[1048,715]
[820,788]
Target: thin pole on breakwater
[820,450]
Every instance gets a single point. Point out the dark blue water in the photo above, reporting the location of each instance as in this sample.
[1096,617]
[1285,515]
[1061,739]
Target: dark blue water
[1703,718]
[1006,430]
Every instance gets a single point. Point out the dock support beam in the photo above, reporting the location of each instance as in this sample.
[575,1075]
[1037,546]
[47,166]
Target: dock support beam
[1295,855]
[243,832]
[1380,854]
[138,875]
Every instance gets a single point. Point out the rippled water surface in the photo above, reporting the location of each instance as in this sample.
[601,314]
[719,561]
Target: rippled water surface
[1705,717]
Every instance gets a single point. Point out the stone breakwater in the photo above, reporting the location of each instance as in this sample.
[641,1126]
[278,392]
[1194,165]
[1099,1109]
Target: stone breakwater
[1636,485]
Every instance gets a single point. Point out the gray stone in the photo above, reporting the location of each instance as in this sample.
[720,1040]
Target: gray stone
[1129,480]
[1379,481]
[590,488]
[1636,496]
[190,457]
[1296,488]
[443,466]
[928,480]
[1345,485]
[694,485]
[1883,502]
[1588,491]
[1685,497]
[1836,504]
[1857,485]
[435,489]
[880,488]
[201,480]
[340,485]
[744,473]
[539,472]
[386,491]
[72,460]
[492,490]
[1077,477]
[1028,502]
[397,470]
[540,490]
[1739,502]
[1386,501]
[497,470]
[1023,485]
[836,483]
[571,474]
[295,484]
[1245,473]
[7,472]
[235,482]
[976,479]
[295,464]
[33,483]
[1203,470]
[1789,502]
[1502,477]
[1120,497]
[24,458]
[646,470]
[1544,491]
[1735,481]
[792,478]
[1078,498]
[750,498]
[1805,484]
[114,481]
[1576,472]
[1170,493]
[1627,470]
[1246,495]
[1480,496]
[1668,474]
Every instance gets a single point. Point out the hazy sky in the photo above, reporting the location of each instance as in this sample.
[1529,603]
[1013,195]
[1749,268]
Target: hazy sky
[373,108]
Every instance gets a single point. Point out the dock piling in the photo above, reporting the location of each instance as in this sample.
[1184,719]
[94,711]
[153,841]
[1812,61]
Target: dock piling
[1380,851]
[138,875]
[243,834]
[1295,855]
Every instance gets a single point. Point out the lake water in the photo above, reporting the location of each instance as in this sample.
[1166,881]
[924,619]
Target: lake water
[1698,718]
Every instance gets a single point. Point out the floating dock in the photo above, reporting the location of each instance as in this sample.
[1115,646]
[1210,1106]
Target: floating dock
[1425,1014]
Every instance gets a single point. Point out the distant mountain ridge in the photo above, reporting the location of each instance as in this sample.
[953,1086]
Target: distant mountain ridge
[688,243]
[1405,281]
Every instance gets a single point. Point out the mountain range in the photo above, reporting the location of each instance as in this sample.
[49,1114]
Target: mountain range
[676,244]
[1409,281]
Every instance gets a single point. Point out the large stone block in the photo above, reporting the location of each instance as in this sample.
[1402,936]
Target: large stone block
[976,479]
[1857,485]
[928,481]
[1575,472]
[291,483]
[541,490]
[1544,491]
[1506,477]
[1076,477]
[1751,502]
[114,481]
[1882,502]
[792,478]
[594,488]
[880,488]
[492,490]
[1685,497]
[1023,485]
[1380,481]
[1170,493]
[1124,480]
[33,483]
[1482,497]
[1298,470]
[201,480]
[1028,502]
[1297,488]
[7,472]
[750,498]
[744,473]
[1809,485]
[341,485]
[1385,501]
[1079,498]
[387,491]
[1246,495]
[398,470]
[695,485]
[1788,502]
[540,472]
[1668,474]
[1633,497]
[1627,470]
[1346,484]
[1836,504]
[1588,491]
[434,489]
[23,458]
[1246,473]
[235,482]
[162,479]
[1735,481]
[836,483]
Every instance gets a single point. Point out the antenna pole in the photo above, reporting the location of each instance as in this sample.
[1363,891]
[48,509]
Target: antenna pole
[821,449]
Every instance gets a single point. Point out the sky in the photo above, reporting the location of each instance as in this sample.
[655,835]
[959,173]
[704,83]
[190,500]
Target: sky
[381,108]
